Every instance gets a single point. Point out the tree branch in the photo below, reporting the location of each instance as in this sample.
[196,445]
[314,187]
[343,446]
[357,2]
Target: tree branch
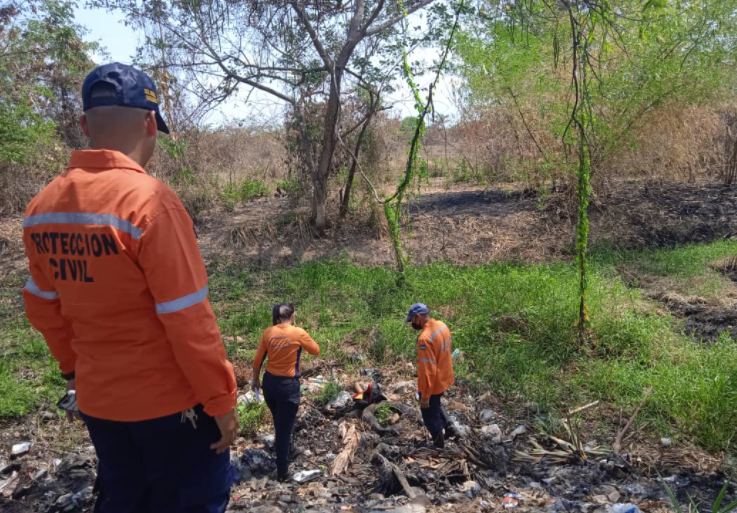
[313,34]
[397,19]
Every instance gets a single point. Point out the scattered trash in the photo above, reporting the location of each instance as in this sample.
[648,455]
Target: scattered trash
[368,372]
[340,401]
[486,416]
[306,476]
[471,489]
[624,508]
[250,397]
[254,463]
[519,431]
[511,500]
[20,449]
[268,440]
[492,432]
[665,442]
[456,353]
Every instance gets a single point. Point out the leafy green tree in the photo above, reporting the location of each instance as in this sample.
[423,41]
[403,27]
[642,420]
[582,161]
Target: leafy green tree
[42,65]
[589,72]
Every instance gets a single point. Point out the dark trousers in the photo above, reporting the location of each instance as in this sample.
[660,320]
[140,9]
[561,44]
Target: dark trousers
[282,397]
[161,465]
[435,417]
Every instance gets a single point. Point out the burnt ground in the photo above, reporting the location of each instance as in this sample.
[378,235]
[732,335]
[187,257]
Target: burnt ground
[497,455]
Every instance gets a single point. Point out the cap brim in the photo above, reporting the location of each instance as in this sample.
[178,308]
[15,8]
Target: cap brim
[161,124]
[409,318]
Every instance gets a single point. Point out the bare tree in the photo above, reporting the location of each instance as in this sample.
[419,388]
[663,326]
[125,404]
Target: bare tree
[293,51]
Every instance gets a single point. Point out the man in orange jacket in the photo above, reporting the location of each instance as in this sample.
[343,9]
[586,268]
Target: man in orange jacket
[434,371]
[282,344]
[119,291]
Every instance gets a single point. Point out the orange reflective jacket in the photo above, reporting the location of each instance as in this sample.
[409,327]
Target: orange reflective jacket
[434,359]
[119,291]
[282,345]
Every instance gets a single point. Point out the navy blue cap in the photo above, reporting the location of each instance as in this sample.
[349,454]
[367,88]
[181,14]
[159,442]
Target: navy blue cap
[417,309]
[133,89]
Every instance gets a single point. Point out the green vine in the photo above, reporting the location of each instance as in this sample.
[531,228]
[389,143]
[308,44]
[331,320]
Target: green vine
[415,166]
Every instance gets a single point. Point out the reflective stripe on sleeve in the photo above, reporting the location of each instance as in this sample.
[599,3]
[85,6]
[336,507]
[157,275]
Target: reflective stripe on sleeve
[183,302]
[33,289]
[84,218]
[428,360]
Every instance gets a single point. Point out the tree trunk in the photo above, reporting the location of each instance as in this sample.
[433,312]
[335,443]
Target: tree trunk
[354,165]
[320,177]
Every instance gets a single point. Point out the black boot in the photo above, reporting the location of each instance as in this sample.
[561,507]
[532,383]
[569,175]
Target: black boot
[282,474]
[439,441]
[452,432]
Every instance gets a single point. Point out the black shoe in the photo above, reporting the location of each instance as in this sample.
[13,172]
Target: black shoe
[283,477]
[439,441]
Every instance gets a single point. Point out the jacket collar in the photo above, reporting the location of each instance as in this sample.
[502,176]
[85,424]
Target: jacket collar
[103,159]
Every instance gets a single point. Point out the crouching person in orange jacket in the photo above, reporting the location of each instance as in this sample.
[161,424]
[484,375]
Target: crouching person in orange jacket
[119,291]
[282,344]
[434,371]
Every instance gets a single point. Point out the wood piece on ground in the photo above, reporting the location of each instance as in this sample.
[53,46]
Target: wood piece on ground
[351,438]
[583,408]
[617,446]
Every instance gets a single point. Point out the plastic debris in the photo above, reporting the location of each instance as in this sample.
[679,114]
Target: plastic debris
[492,432]
[339,401]
[511,500]
[250,397]
[625,508]
[20,449]
[486,416]
[471,488]
[519,431]
[665,442]
[456,353]
[306,476]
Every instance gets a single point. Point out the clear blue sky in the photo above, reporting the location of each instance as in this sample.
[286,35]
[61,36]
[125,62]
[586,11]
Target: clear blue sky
[120,42]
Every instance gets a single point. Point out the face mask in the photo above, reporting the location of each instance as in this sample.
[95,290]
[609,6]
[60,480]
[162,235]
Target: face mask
[417,326]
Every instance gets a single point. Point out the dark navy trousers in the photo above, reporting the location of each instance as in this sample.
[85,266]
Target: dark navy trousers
[435,417]
[282,397]
[161,465]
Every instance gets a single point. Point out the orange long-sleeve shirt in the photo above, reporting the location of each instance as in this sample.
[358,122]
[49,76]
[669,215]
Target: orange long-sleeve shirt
[119,291]
[434,359]
[282,345]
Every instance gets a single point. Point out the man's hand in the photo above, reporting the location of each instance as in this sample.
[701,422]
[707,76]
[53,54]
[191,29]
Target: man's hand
[424,402]
[255,384]
[71,384]
[228,425]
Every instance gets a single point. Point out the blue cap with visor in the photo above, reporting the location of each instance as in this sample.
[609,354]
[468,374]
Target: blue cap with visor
[133,88]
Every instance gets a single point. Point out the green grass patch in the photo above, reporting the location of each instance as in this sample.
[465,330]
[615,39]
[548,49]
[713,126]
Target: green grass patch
[383,413]
[233,193]
[514,322]
[251,417]
[328,393]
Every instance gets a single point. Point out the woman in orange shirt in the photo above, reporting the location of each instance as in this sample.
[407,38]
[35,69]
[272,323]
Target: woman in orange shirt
[282,345]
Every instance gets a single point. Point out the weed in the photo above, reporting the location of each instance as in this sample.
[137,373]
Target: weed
[292,188]
[251,417]
[253,189]
[383,413]
[331,390]
[693,507]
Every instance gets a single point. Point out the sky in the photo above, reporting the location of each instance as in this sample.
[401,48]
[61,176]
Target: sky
[120,42]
